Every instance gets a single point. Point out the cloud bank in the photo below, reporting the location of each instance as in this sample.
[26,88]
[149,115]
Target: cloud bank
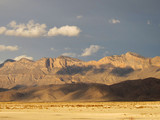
[91,50]
[8,48]
[114,21]
[23,56]
[32,29]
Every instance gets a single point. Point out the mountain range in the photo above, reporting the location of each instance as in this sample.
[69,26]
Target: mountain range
[62,70]
[131,90]
[128,76]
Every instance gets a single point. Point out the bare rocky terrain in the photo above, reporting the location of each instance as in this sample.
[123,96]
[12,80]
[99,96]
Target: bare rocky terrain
[132,90]
[64,70]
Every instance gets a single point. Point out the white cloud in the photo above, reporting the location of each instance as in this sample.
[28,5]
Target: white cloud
[114,21]
[91,50]
[8,48]
[79,17]
[69,54]
[32,29]
[23,56]
[148,22]
[2,30]
[64,31]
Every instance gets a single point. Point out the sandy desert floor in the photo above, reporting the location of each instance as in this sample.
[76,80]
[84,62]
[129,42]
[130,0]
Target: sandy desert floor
[80,111]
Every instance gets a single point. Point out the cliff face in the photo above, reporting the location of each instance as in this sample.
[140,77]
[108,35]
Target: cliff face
[61,70]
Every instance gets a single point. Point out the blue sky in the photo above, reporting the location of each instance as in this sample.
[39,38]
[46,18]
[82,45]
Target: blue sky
[84,29]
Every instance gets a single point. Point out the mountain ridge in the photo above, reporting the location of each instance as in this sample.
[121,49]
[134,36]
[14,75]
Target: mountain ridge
[61,70]
[131,90]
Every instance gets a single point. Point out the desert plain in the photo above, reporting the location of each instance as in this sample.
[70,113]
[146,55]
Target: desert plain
[80,111]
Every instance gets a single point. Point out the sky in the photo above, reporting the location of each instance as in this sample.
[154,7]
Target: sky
[83,29]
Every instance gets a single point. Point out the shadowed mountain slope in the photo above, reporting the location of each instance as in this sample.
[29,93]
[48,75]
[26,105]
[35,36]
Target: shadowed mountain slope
[137,90]
[132,90]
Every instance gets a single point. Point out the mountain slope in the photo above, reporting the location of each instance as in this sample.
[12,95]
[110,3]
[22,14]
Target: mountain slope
[132,90]
[145,89]
[108,70]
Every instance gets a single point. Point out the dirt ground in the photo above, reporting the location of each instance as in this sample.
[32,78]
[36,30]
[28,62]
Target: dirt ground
[80,111]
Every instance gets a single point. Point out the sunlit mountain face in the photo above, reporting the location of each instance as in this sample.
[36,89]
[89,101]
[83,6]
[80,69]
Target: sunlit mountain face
[62,70]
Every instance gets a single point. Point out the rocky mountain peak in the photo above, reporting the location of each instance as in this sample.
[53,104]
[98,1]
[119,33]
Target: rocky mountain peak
[7,61]
[132,54]
[25,60]
[131,59]
[156,61]
[69,58]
